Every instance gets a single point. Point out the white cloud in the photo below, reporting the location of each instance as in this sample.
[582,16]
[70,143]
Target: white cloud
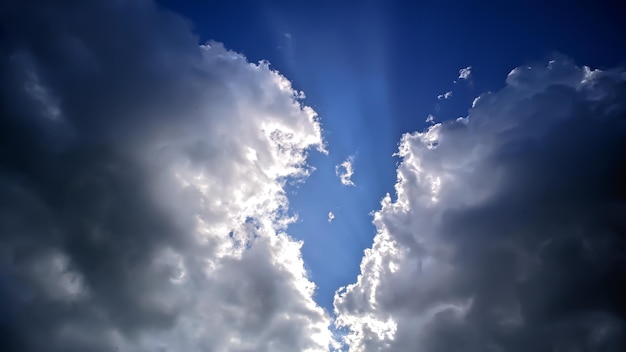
[503,236]
[445,95]
[430,118]
[345,171]
[475,101]
[153,218]
[465,73]
[331,216]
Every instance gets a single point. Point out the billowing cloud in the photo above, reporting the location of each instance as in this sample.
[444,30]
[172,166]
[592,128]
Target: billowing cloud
[509,228]
[445,95]
[345,171]
[331,216]
[141,180]
[465,73]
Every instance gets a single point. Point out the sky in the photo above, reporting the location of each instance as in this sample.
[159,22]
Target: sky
[312,176]
[373,71]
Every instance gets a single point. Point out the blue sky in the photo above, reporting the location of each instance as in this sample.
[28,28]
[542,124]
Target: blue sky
[373,71]
[315,176]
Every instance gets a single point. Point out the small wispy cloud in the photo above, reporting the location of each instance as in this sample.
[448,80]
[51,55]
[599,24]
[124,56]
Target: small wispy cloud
[288,35]
[465,73]
[430,118]
[331,216]
[345,171]
[445,95]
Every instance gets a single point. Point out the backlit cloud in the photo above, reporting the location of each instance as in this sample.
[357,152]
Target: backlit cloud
[508,231]
[141,184]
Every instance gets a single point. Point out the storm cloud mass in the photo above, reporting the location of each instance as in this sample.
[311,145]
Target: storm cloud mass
[508,231]
[141,188]
[142,203]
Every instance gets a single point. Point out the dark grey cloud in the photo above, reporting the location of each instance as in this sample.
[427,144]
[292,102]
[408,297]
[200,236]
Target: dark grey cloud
[141,187]
[509,228]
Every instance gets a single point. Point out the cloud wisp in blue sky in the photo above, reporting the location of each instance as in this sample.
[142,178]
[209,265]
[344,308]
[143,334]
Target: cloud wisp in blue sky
[446,95]
[162,192]
[345,171]
[465,73]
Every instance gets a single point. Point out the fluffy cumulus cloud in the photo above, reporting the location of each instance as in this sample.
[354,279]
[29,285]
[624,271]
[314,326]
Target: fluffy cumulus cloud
[141,188]
[345,171]
[509,228]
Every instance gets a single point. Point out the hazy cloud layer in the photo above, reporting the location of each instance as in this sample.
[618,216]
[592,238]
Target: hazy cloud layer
[141,188]
[508,232]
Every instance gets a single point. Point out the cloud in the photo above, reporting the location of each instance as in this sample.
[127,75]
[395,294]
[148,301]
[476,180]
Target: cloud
[141,179]
[331,216]
[445,95]
[465,73]
[508,232]
[430,118]
[345,171]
